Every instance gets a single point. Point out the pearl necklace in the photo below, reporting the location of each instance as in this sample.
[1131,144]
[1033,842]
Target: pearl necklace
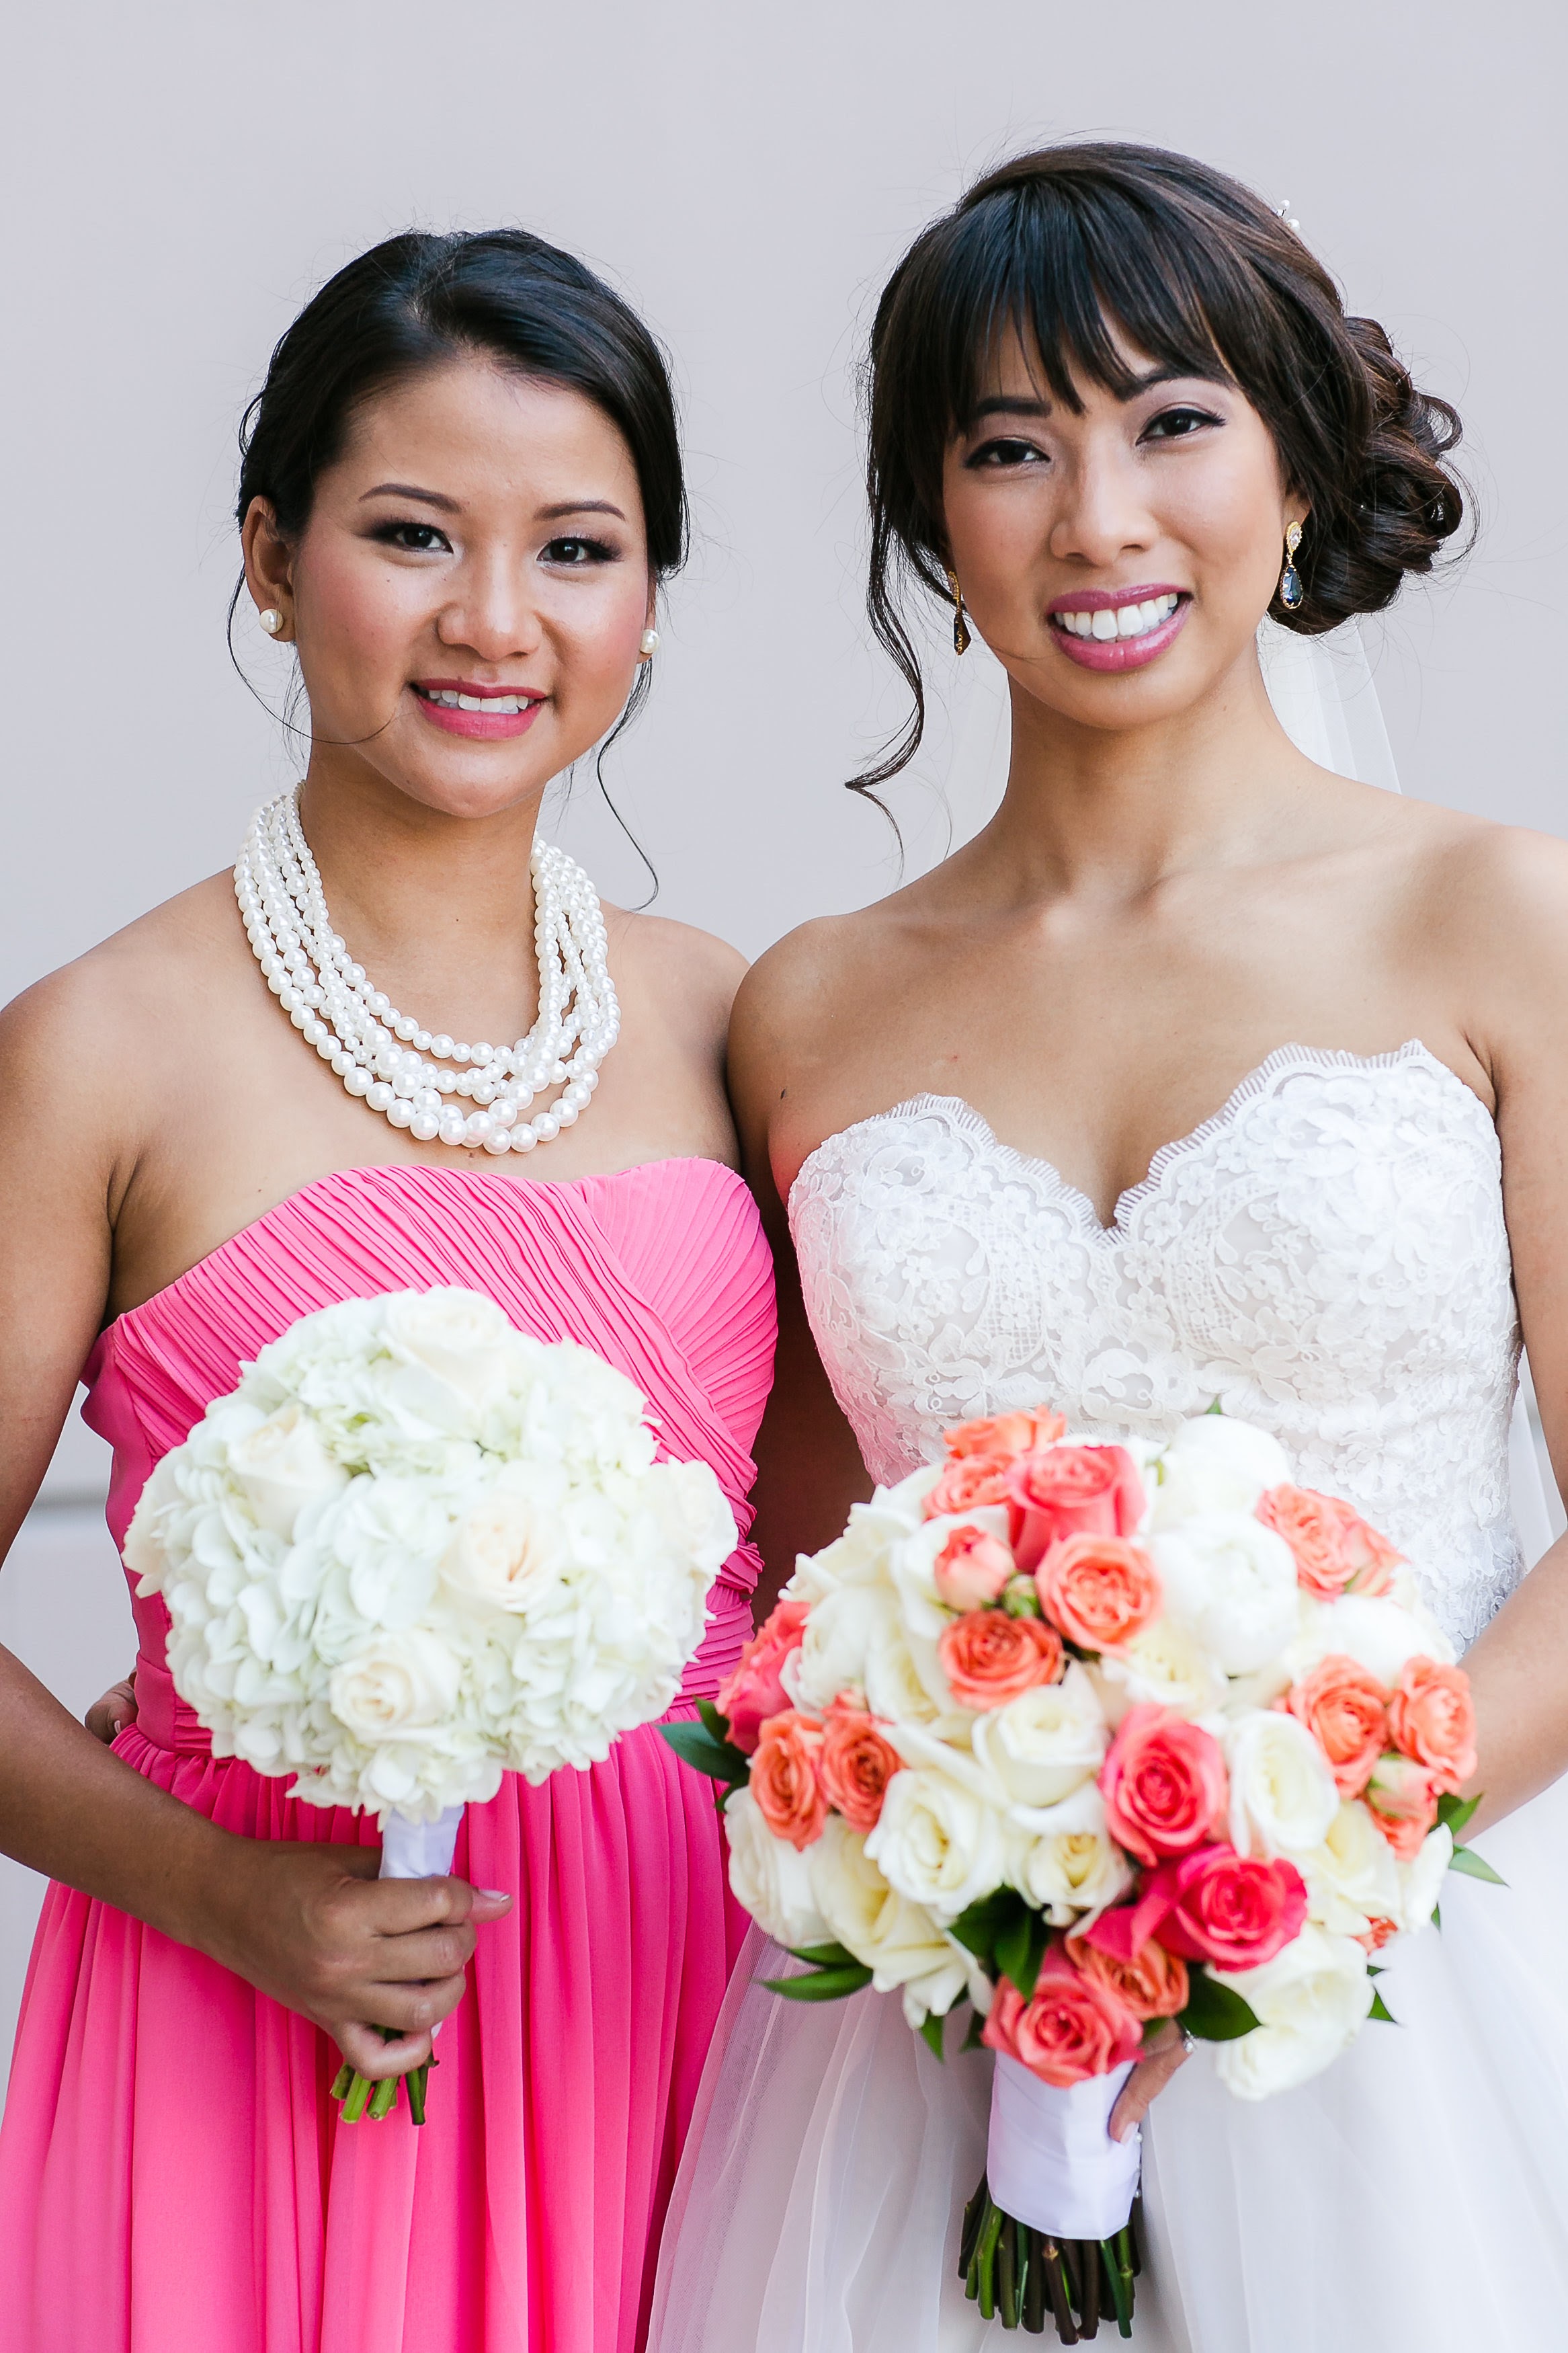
[385,1057]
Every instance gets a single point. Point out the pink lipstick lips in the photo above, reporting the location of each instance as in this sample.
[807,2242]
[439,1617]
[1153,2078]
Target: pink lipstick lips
[490,713]
[1117,628]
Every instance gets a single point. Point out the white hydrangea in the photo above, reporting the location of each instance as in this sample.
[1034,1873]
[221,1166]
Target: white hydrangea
[417,1548]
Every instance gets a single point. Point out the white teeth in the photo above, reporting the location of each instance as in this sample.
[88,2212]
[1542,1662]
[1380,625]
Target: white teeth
[1109,621]
[500,705]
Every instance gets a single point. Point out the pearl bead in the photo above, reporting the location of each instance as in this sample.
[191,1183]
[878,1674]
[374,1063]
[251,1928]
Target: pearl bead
[483,1053]
[452,1128]
[399,1114]
[358,1082]
[425,1126]
[546,1127]
[379,1096]
[441,1047]
[523,1138]
[498,1140]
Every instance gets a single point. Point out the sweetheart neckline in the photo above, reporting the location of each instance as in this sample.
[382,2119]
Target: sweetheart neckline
[483,1176]
[1069,1196]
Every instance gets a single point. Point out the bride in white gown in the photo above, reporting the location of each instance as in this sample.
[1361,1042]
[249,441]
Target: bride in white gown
[1110,384]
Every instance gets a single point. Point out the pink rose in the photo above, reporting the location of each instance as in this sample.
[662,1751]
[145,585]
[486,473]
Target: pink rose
[1153,1983]
[855,1764]
[968,1480]
[1164,1784]
[1007,1434]
[990,1658]
[1073,2028]
[1336,1551]
[755,1691]
[1233,1910]
[972,1568]
[1433,1721]
[1072,1490]
[786,1783]
[1345,1709]
[1099,1591]
[1402,1797]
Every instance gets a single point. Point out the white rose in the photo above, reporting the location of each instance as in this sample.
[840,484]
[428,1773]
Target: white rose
[507,1547]
[461,1337]
[1163,1666]
[1353,1878]
[859,1557]
[1072,1866]
[1231,1583]
[912,1563]
[937,1842]
[1420,1882]
[689,1503]
[281,1468]
[399,1684]
[897,1941]
[851,1630]
[770,1878]
[1282,1793]
[1213,1464]
[1311,2002]
[1377,1632]
[1047,1742]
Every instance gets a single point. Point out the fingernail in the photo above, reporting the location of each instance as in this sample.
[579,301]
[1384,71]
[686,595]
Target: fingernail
[495,1895]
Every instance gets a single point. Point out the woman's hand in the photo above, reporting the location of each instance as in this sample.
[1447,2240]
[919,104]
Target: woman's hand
[1167,2051]
[113,1712]
[314,1928]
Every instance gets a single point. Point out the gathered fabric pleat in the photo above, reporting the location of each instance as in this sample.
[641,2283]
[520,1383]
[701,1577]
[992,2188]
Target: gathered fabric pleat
[172,2172]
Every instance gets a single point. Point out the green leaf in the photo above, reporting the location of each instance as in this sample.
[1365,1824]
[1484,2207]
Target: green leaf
[823,1957]
[1215,1408]
[983,1923]
[1380,2010]
[1021,1947]
[1438,1917]
[1475,1866]
[1216,2012]
[719,1759]
[930,2033]
[975,2038]
[1455,1812]
[819,1985]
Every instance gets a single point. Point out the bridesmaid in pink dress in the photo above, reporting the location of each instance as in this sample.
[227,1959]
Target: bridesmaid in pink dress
[461,480]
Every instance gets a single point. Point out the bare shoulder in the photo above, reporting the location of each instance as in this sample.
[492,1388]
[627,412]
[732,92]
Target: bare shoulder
[688,977]
[795,991]
[89,1008]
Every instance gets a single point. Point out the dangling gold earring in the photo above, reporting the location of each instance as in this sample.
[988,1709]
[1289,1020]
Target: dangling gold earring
[959,626]
[1291,593]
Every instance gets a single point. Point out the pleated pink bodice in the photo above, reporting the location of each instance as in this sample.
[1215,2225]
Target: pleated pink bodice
[169,2163]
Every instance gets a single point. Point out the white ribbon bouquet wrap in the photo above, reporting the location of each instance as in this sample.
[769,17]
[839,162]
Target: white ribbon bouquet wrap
[417,1548]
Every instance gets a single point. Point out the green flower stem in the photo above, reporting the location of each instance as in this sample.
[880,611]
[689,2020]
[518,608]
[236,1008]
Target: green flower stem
[354,2100]
[985,2259]
[417,2083]
[341,2082]
[383,2099]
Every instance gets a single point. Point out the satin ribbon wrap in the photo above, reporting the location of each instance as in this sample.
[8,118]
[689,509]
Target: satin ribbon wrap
[1051,2162]
[418,1849]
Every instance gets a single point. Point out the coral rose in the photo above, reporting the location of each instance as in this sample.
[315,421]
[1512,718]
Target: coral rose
[1336,1552]
[968,1480]
[1233,1910]
[972,1568]
[1007,1434]
[755,1691]
[1345,1709]
[786,1783]
[1071,1491]
[1073,2028]
[1433,1720]
[990,1658]
[855,1764]
[1402,1797]
[1153,1983]
[1099,1591]
[1164,1784]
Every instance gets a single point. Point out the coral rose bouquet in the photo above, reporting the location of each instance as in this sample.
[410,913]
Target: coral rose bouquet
[415,1549]
[1094,1738]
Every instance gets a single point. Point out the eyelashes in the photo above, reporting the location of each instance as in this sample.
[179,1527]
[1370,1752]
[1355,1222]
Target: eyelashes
[572,552]
[1005,451]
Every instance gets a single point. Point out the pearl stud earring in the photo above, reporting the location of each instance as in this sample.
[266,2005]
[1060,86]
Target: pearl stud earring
[271,620]
[649,643]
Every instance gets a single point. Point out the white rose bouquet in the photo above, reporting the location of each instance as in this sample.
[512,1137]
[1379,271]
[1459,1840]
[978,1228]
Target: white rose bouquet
[415,1549]
[1095,1738]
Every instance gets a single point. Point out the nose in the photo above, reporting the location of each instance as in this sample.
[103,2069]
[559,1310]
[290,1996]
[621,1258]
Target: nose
[1101,514]
[493,613]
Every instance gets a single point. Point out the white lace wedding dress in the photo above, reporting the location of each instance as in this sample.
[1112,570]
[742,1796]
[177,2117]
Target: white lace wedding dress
[1327,1258]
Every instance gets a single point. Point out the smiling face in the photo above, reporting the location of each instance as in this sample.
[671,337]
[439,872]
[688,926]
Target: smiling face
[1117,561]
[469,595]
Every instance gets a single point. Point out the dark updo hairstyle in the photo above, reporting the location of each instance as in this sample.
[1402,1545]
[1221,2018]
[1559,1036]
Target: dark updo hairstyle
[1067,245]
[419,301]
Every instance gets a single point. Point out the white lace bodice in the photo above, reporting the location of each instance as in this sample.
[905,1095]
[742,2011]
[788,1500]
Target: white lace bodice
[1327,1256]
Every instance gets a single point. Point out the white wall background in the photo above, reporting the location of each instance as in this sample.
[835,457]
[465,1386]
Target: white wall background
[177,177]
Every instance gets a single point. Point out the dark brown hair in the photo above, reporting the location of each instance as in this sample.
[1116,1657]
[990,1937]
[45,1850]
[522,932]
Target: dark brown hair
[1065,245]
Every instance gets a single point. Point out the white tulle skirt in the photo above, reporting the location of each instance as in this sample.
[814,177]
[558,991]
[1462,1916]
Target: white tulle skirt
[1413,2200]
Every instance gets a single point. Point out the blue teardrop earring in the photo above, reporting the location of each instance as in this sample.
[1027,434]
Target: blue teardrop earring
[1292,596]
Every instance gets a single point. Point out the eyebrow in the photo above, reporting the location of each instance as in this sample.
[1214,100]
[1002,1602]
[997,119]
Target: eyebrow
[579,506]
[450,506]
[1008,404]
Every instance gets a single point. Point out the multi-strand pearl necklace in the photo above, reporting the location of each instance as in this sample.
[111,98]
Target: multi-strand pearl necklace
[385,1057]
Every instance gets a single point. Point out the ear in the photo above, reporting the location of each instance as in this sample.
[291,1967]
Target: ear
[269,565]
[1296,511]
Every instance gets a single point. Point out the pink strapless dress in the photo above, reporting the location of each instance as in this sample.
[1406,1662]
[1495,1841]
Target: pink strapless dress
[174,2177]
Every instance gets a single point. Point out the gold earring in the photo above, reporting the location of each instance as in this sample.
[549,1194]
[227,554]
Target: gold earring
[1292,596]
[959,626]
